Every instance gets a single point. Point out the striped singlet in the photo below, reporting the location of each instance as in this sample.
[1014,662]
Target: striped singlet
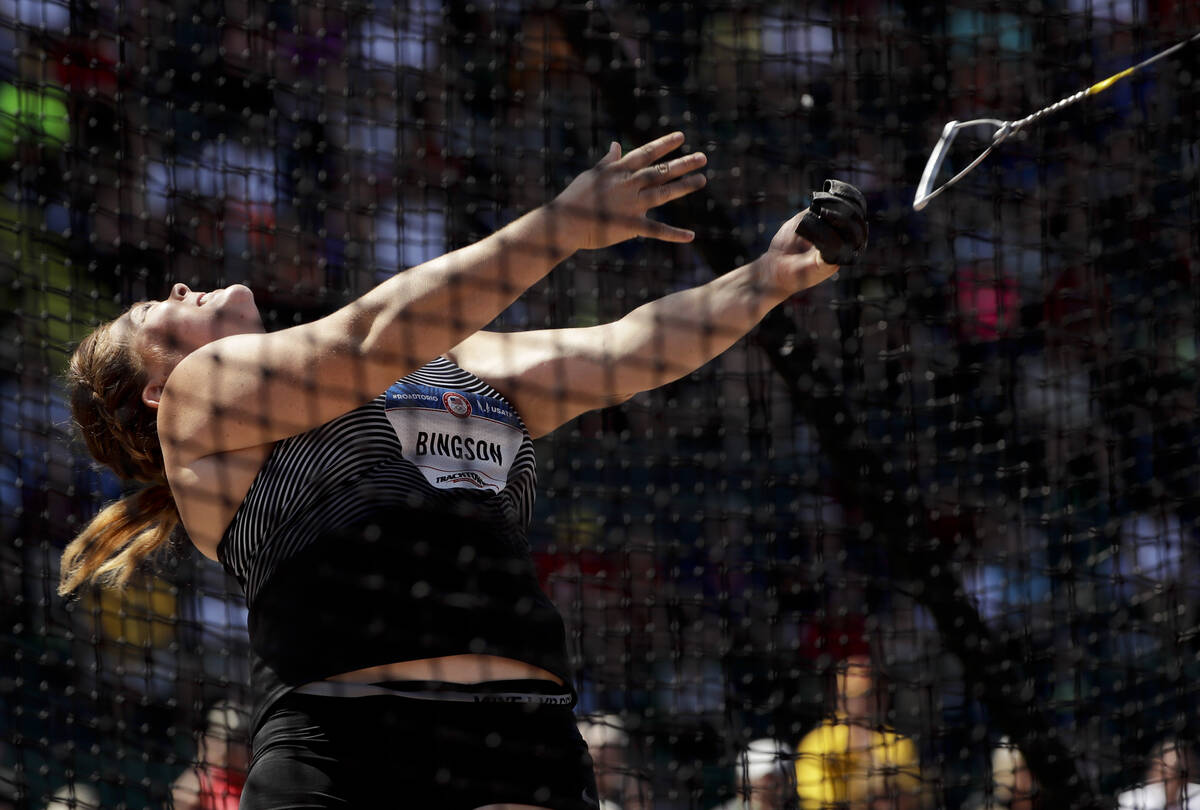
[394,532]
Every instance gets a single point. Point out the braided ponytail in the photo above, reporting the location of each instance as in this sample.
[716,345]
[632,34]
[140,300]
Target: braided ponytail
[106,378]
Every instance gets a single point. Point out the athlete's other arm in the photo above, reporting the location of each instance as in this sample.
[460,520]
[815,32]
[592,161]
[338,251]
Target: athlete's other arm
[551,376]
[247,390]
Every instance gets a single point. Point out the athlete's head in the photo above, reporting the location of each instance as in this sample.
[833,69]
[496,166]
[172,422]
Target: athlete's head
[105,381]
[163,332]
[118,371]
[115,379]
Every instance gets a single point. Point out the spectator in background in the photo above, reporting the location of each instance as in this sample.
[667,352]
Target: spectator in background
[407,235]
[35,126]
[402,36]
[1008,581]
[1012,785]
[1171,781]
[32,117]
[1154,555]
[50,16]
[11,787]
[852,759]
[135,633]
[608,744]
[764,777]
[795,46]
[74,797]
[215,780]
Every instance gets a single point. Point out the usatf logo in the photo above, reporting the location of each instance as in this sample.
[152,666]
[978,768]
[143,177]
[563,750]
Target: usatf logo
[457,404]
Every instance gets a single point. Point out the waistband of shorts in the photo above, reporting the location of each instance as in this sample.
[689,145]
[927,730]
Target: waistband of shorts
[528,691]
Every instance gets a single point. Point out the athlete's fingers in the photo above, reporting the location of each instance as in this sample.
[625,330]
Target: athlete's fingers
[667,233]
[614,154]
[658,195]
[644,155]
[663,172]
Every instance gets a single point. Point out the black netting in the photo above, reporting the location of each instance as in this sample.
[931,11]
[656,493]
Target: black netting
[970,460]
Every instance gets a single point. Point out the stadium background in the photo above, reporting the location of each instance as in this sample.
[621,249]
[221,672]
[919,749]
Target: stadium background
[974,454]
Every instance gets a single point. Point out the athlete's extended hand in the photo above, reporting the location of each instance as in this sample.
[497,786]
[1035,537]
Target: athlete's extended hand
[795,263]
[836,223]
[607,204]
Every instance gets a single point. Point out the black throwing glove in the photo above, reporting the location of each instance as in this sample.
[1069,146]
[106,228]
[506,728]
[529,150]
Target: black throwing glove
[836,223]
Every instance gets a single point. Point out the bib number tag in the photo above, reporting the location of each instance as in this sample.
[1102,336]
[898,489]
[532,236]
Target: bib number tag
[455,438]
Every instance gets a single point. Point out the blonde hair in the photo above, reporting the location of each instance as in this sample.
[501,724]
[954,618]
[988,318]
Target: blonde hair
[105,380]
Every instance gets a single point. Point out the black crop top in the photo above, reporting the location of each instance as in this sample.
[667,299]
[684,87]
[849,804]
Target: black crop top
[395,532]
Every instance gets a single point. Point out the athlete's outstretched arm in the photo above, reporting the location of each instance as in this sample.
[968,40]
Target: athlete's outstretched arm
[552,376]
[250,389]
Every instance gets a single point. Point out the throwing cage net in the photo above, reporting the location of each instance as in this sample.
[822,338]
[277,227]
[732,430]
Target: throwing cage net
[943,505]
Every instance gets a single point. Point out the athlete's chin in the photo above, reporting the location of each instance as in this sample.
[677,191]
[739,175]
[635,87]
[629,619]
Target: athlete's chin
[240,293]
[240,309]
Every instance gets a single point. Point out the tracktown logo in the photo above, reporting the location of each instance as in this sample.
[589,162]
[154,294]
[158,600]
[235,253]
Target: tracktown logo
[462,478]
[457,404]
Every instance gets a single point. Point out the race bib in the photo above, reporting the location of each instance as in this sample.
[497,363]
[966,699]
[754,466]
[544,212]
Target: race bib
[455,438]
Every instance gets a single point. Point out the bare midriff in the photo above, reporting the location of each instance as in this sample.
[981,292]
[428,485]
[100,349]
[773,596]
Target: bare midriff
[464,669]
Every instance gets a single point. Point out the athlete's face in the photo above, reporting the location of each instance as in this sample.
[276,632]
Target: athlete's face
[186,320]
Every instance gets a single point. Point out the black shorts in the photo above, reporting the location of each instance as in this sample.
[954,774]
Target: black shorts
[389,751]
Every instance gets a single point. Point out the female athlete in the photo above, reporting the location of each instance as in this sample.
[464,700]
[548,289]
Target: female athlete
[369,479]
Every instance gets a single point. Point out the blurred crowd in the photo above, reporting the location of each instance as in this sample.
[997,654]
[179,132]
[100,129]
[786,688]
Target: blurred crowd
[1021,358]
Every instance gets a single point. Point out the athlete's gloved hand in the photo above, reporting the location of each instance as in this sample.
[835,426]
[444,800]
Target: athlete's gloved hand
[836,223]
